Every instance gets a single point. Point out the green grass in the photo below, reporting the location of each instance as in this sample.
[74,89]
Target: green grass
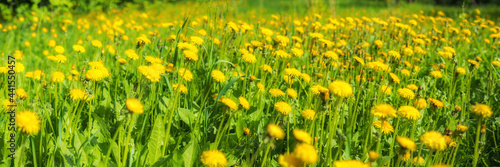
[178,127]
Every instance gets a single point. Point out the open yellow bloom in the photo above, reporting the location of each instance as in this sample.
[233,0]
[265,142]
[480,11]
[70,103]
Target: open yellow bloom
[384,111]
[28,122]
[481,110]
[275,131]
[283,107]
[434,140]
[135,106]
[213,158]
[340,89]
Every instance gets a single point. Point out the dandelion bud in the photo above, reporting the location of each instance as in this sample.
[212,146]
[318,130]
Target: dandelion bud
[373,156]
[246,131]
[253,78]
[483,129]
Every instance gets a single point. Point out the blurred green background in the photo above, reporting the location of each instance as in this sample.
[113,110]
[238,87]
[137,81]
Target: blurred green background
[10,8]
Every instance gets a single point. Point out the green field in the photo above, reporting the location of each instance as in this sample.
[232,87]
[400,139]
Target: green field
[249,83]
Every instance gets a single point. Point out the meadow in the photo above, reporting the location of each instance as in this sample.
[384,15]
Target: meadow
[225,84]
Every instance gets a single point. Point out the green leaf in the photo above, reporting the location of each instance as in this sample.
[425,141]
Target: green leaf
[222,61]
[384,160]
[190,153]
[239,127]
[156,140]
[186,116]
[224,90]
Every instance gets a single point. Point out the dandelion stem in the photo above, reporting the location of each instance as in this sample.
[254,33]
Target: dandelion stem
[267,152]
[127,141]
[476,144]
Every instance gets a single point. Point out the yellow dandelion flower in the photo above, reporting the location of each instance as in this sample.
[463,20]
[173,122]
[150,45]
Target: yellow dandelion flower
[394,78]
[291,93]
[385,89]
[246,131]
[292,72]
[185,74]
[306,152]
[261,87]
[419,160]
[394,54]
[406,156]
[96,43]
[289,160]
[51,43]
[143,39]
[302,136]
[373,156]
[218,76]
[180,88]
[190,55]
[386,127]
[244,102]
[481,110]
[305,77]
[153,60]
[462,128]
[276,93]
[412,87]
[19,68]
[434,140]
[496,63]
[409,112]
[197,40]
[275,131]
[436,74]
[57,77]
[340,88]
[59,49]
[96,74]
[406,93]
[266,68]
[21,93]
[79,48]
[350,163]
[122,61]
[283,107]
[309,114]
[213,158]
[131,54]
[460,70]
[230,103]
[134,106]
[77,94]
[150,73]
[384,111]
[436,102]
[249,58]
[406,143]
[8,105]
[28,122]
[405,72]
[420,103]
